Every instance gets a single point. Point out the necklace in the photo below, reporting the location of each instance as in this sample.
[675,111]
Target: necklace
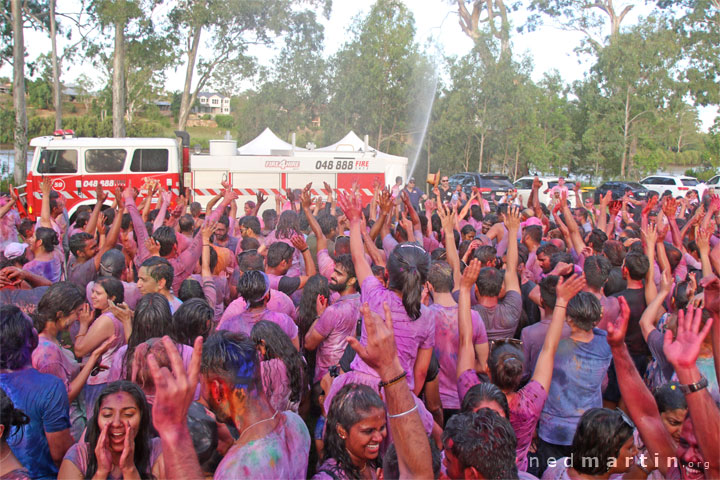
[5,456]
[255,424]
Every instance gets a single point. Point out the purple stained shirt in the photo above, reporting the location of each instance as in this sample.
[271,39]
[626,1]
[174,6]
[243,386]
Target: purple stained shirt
[335,324]
[222,292]
[410,335]
[244,322]
[525,408]
[78,455]
[279,302]
[105,359]
[51,269]
[282,453]
[49,357]
[81,273]
[502,319]
[276,385]
[533,338]
[446,348]
[326,265]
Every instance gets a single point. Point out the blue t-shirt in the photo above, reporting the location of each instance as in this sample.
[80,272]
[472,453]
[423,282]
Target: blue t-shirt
[576,386]
[44,400]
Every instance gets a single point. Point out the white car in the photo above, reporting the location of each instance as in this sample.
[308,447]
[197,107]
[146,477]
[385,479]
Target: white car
[713,185]
[678,185]
[524,187]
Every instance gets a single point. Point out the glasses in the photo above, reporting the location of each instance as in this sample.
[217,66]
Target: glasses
[625,418]
[444,180]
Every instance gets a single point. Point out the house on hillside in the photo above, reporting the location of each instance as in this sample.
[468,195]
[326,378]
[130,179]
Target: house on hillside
[6,87]
[163,106]
[212,103]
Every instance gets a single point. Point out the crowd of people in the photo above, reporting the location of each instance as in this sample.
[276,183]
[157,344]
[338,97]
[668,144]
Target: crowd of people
[449,335]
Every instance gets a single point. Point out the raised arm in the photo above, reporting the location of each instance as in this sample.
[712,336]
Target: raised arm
[353,212]
[566,290]
[164,204]
[299,242]
[682,352]
[306,203]
[512,223]
[466,349]
[638,399]
[385,209]
[650,236]
[411,442]
[575,236]
[138,223]
[99,199]
[45,188]
[602,217]
[114,233]
[453,259]
[655,307]
[702,239]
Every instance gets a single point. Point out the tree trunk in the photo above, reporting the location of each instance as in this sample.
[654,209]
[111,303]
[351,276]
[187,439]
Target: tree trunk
[57,91]
[186,101]
[517,160]
[118,87]
[21,122]
[505,157]
[482,150]
[626,132]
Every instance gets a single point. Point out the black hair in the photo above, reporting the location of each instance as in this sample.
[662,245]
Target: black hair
[327,223]
[349,406]
[126,221]
[681,295]
[17,338]
[112,263]
[467,229]
[547,249]
[391,467]
[269,218]
[600,434]
[407,269]
[252,287]
[596,239]
[190,288]
[195,208]
[249,243]
[278,345]
[615,252]
[490,282]
[486,254]
[506,366]
[485,392]
[669,397]
[441,254]
[441,277]
[637,265]
[165,236]
[59,300]
[534,232]
[548,290]
[10,417]
[615,282]
[316,286]
[277,252]
[485,441]
[346,263]
[287,225]
[77,242]
[232,357]
[674,255]
[224,220]
[186,223]
[597,270]
[25,227]
[251,222]
[152,319]
[584,310]
[159,268]
[558,257]
[194,318]
[248,261]
[143,442]
[476,213]
[48,238]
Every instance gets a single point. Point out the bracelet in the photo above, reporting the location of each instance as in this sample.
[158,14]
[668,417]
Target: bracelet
[206,244]
[304,249]
[645,470]
[694,387]
[394,380]
[560,306]
[403,413]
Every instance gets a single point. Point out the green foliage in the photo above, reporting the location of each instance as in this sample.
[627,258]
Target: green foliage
[207,116]
[225,121]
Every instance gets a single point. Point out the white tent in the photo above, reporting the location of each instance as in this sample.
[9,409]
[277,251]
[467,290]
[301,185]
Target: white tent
[265,144]
[352,143]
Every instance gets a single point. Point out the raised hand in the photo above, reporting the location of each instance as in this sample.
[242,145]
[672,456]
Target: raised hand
[666,281]
[165,196]
[153,246]
[380,351]
[290,195]
[103,455]
[567,289]
[119,198]
[328,188]
[230,195]
[615,207]
[207,231]
[306,199]
[101,227]
[174,389]
[123,313]
[536,183]
[512,218]
[616,330]
[127,458]
[650,205]
[226,184]
[298,242]
[649,235]
[100,195]
[321,303]
[669,207]
[260,199]
[128,194]
[470,275]
[606,199]
[46,186]
[385,201]
[448,219]
[683,351]
[350,205]
[85,316]
[711,292]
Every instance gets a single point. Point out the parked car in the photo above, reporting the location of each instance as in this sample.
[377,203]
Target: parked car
[490,185]
[713,185]
[619,188]
[524,187]
[679,185]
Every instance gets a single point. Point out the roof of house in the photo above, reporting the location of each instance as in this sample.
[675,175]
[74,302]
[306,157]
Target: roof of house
[211,94]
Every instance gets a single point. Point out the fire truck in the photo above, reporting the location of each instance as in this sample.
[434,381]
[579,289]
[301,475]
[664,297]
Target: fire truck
[270,166]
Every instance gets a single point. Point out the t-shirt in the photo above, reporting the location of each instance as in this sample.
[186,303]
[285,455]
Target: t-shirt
[580,368]
[244,322]
[49,357]
[633,338]
[81,273]
[410,335]
[329,470]
[51,269]
[282,453]
[279,302]
[105,359]
[337,322]
[231,243]
[78,455]
[447,338]
[44,400]
[533,338]
[525,407]
[502,319]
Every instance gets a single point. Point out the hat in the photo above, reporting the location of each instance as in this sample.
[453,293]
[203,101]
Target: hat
[14,250]
[531,221]
[411,179]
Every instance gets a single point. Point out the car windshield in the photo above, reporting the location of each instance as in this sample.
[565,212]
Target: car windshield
[497,182]
[635,185]
[689,182]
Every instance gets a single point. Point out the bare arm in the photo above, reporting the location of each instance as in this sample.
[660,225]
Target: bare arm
[422,362]
[649,235]
[99,198]
[577,241]
[453,259]
[162,213]
[45,188]
[654,308]
[59,443]
[211,204]
[512,223]
[466,351]
[305,202]
[351,207]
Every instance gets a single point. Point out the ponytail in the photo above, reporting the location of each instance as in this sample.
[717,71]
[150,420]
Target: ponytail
[408,268]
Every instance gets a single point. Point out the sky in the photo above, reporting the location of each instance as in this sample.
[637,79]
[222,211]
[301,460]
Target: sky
[437,20]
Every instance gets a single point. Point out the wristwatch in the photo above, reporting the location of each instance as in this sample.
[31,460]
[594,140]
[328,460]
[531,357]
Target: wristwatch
[335,371]
[694,387]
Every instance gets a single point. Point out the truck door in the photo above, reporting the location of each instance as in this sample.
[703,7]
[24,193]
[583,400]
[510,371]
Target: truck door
[104,166]
[61,166]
